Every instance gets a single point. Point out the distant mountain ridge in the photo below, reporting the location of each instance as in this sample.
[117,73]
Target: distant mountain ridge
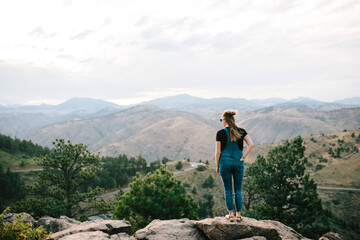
[186,102]
[89,105]
[182,101]
[177,127]
[154,132]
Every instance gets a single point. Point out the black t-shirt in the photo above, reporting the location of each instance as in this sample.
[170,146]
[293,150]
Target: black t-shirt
[222,137]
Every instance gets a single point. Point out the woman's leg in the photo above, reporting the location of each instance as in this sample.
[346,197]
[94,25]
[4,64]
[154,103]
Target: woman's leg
[226,177]
[238,178]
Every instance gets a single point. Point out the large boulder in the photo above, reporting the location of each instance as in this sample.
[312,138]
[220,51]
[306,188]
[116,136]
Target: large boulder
[11,217]
[170,229]
[330,236]
[99,216]
[248,228]
[108,228]
[54,225]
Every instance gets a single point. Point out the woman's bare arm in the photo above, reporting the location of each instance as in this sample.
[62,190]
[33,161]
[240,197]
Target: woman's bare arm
[250,145]
[217,155]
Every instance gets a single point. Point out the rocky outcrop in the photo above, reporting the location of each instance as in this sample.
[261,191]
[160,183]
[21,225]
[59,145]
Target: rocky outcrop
[218,228]
[54,225]
[330,236]
[247,228]
[11,217]
[97,229]
[184,229]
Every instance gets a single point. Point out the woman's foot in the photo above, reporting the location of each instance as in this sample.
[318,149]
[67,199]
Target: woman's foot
[238,217]
[230,217]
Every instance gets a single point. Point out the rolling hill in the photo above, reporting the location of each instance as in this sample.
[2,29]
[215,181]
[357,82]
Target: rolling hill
[154,132]
[146,130]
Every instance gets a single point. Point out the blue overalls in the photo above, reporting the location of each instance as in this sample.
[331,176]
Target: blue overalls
[231,167]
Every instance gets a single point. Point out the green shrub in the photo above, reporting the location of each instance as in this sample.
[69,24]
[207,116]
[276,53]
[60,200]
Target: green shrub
[209,182]
[18,230]
[201,168]
[319,167]
[179,165]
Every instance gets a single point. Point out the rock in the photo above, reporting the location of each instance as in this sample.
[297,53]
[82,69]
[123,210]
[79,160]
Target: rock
[183,229]
[330,236]
[109,227]
[56,225]
[100,216]
[121,236]
[97,235]
[255,238]
[220,228]
[11,217]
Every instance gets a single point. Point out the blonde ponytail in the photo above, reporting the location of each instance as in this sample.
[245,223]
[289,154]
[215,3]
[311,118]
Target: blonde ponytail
[228,115]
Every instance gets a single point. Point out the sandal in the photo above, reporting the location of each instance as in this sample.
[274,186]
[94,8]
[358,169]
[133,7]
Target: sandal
[238,218]
[231,218]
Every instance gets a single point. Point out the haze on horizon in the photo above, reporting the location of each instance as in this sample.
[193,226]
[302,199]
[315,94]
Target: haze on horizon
[132,51]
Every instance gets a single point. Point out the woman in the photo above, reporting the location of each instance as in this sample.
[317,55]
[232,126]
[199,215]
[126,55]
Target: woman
[230,160]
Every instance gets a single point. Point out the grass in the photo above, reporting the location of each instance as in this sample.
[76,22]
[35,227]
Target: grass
[345,205]
[29,178]
[16,161]
[343,171]
[172,165]
[196,179]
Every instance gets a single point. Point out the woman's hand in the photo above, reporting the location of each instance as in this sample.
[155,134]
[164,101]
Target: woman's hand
[242,158]
[218,171]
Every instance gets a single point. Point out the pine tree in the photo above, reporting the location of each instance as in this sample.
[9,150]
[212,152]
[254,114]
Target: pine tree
[287,193]
[57,192]
[158,195]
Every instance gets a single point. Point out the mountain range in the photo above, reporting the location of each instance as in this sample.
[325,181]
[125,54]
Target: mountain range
[176,127]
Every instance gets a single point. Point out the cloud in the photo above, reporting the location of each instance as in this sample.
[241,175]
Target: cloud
[151,33]
[67,2]
[66,56]
[164,45]
[142,21]
[197,39]
[106,22]
[81,35]
[39,32]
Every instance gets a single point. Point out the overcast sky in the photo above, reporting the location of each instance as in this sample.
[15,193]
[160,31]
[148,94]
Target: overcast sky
[127,51]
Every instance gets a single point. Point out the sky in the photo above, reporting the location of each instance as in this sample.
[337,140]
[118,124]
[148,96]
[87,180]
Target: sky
[128,51]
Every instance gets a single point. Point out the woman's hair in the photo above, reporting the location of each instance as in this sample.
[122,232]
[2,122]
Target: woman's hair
[228,115]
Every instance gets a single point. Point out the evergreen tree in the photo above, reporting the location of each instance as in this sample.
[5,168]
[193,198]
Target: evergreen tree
[156,196]
[154,165]
[165,160]
[209,182]
[16,146]
[11,188]
[287,194]
[205,207]
[57,192]
[179,165]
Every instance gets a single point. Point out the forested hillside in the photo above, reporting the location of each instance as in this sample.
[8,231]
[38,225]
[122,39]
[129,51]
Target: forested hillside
[17,146]
[333,161]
